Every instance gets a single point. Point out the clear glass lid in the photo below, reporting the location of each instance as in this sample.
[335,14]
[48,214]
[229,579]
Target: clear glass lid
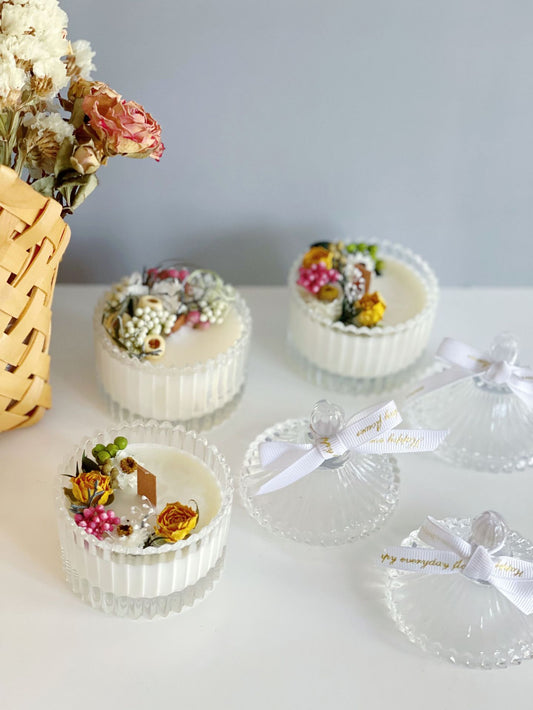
[465,620]
[489,418]
[345,498]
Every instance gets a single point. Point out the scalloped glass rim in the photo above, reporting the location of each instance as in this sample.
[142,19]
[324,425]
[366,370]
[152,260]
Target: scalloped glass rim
[392,250]
[69,464]
[482,659]
[251,458]
[220,360]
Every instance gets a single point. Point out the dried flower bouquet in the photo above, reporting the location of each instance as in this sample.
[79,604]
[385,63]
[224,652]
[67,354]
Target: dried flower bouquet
[57,126]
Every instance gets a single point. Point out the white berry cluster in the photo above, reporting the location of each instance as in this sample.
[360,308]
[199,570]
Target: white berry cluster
[145,322]
[128,286]
[210,296]
[212,311]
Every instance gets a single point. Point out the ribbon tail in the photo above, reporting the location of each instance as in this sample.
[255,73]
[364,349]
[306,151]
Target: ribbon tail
[441,379]
[439,537]
[271,451]
[464,356]
[369,423]
[302,467]
[421,559]
[405,441]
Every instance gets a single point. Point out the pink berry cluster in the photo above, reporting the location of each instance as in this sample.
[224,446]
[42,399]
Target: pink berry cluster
[317,275]
[160,275]
[96,520]
[194,320]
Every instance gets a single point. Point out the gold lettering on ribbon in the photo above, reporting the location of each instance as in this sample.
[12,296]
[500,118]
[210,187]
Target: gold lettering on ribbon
[421,563]
[375,425]
[485,363]
[378,424]
[506,567]
[424,563]
[385,556]
[390,413]
[460,564]
[326,443]
[410,442]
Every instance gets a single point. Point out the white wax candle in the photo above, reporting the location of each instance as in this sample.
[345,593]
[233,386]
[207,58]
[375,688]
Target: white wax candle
[191,345]
[200,372]
[402,290]
[180,477]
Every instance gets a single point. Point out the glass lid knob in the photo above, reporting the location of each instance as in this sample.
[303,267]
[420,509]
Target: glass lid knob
[504,348]
[489,530]
[326,418]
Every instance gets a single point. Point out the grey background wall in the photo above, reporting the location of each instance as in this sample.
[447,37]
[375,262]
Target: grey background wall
[289,121]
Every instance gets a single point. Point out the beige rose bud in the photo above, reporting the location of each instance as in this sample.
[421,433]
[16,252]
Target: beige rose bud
[154,347]
[84,160]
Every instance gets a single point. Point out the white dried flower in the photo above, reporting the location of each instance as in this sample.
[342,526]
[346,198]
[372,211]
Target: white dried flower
[43,19]
[41,123]
[53,69]
[12,77]
[133,285]
[170,291]
[358,258]
[33,34]
[83,58]
[43,138]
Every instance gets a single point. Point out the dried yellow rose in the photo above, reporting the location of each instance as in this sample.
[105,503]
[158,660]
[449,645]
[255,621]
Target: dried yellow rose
[370,309]
[85,485]
[317,254]
[176,521]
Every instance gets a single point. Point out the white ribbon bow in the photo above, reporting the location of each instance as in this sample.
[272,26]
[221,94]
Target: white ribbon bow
[469,362]
[449,554]
[365,433]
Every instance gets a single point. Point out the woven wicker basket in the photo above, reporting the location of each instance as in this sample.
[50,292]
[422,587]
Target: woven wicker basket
[33,238]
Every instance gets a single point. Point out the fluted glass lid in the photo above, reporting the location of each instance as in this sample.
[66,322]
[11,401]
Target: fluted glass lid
[488,411]
[461,616]
[346,497]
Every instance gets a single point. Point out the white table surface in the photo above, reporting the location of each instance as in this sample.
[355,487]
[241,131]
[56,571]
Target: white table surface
[287,626]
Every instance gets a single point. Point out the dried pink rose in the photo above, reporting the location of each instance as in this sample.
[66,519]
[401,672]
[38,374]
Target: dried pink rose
[123,127]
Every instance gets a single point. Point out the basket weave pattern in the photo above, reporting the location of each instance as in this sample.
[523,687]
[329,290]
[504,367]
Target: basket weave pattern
[33,238]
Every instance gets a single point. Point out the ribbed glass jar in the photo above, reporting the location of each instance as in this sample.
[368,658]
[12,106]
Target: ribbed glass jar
[197,396]
[154,581]
[361,359]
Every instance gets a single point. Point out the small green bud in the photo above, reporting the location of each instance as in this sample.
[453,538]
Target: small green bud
[102,456]
[380,265]
[112,449]
[121,442]
[97,448]
[351,248]
[373,250]
[362,247]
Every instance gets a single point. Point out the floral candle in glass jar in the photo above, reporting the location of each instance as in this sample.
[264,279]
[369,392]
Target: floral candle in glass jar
[143,514]
[172,344]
